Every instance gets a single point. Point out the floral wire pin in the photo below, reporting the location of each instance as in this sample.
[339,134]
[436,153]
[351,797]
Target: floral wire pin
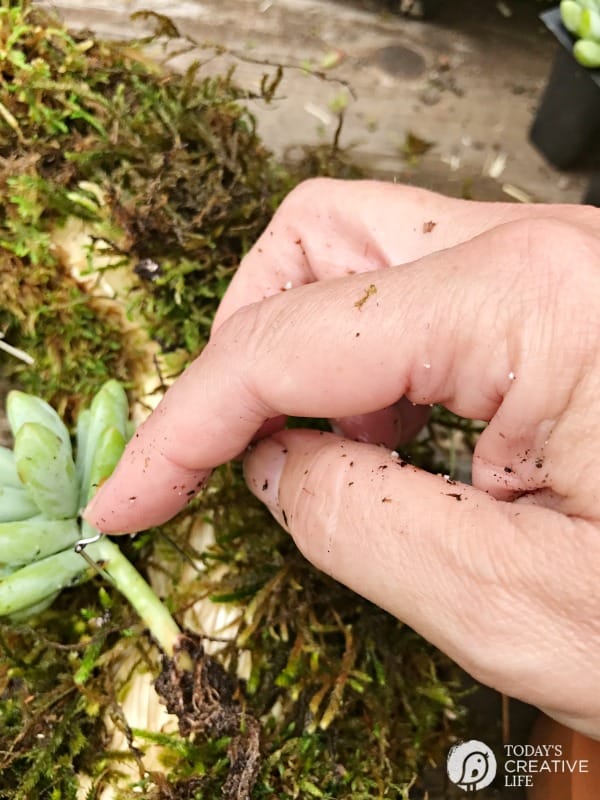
[79,548]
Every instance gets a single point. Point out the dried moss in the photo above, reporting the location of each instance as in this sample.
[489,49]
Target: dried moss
[170,178]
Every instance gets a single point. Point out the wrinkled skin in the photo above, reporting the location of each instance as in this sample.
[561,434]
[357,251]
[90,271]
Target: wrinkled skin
[494,312]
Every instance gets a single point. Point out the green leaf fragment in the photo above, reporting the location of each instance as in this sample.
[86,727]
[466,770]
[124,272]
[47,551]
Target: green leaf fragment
[89,660]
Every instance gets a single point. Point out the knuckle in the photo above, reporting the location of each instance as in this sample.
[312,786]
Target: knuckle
[553,268]
[307,194]
[527,239]
[255,341]
[238,329]
[237,341]
[554,249]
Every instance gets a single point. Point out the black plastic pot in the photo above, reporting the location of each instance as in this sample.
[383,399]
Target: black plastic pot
[567,124]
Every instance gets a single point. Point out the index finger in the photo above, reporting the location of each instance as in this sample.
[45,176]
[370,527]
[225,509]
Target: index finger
[424,330]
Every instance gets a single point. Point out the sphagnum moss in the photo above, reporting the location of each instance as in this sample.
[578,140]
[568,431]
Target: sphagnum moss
[169,180]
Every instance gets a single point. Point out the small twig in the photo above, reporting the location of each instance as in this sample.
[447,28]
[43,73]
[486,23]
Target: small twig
[223,50]
[263,62]
[15,351]
[12,122]
[335,146]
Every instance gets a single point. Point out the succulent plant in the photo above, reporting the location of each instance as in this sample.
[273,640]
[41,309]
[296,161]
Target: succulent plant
[42,490]
[582,19]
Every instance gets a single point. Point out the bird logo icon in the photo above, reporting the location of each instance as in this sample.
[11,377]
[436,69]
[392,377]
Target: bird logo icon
[471,765]
[475,768]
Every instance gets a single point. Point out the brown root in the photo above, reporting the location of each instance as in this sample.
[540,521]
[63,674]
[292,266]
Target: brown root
[205,702]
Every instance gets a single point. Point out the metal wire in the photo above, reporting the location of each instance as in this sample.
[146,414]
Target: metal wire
[80,546]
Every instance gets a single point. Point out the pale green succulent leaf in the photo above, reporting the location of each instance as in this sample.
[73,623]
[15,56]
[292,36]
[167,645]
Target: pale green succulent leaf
[589,25]
[22,408]
[16,504]
[587,53]
[30,539]
[36,582]
[82,434]
[45,465]
[570,14]
[8,470]
[109,409]
[593,5]
[108,451]
[37,608]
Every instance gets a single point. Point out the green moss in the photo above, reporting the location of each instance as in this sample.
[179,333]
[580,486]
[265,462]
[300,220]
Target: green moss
[185,183]
[78,342]
[47,719]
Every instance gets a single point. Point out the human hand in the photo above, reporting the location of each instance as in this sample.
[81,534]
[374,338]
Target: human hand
[494,312]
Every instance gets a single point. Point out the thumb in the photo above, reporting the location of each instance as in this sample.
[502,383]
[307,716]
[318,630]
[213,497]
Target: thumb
[460,567]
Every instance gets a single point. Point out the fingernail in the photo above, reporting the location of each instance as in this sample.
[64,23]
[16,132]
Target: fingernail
[262,470]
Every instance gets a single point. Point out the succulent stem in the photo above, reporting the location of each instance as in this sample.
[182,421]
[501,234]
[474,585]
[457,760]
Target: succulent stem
[131,584]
